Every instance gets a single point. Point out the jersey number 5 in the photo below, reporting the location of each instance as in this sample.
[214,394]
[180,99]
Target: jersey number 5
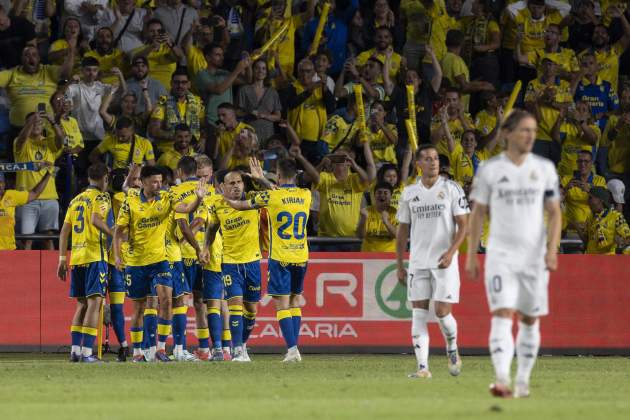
[298,222]
[78,228]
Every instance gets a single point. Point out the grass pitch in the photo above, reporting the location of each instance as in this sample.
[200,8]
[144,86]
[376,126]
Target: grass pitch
[321,387]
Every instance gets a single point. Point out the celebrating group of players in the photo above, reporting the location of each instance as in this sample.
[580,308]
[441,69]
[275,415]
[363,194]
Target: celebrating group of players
[159,243]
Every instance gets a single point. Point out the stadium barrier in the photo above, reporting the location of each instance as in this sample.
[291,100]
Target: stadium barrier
[352,303]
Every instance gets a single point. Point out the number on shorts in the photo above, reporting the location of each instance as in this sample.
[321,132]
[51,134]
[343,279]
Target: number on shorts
[128,279]
[496,284]
[410,280]
[227,280]
[299,224]
[78,228]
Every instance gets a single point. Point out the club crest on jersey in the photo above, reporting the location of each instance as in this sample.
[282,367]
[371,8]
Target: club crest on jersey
[441,195]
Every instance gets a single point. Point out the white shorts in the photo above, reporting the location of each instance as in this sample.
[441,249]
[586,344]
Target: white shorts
[37,216]
[521,288]
[437,284]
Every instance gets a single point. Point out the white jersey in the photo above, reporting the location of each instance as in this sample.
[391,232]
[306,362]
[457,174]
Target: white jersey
[516,196]
[431,212]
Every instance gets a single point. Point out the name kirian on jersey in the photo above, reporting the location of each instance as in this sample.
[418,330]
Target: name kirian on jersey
[518,196]
[148,222]
[292,200]
[429,211]
[237,222]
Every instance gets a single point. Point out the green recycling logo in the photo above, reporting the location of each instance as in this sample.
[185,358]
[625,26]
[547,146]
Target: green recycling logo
[395,302]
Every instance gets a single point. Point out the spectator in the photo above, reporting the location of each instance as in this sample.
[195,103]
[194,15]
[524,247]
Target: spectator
[358,38]
[31,145]
[368,78]
[482,40]
[71,34]
[127,22]
[110,58]
[228,129]
[126,108]
[582,26]
[615,142]
[322,68]
[598,93]
[203,33]
[577,187]
[161,52]
[15,33]
[125,147]
[342,129]
[606,229]
[377,223]
[177,18]
[382,16]
[486,119]
[260,102]
[141,85]
[180,107]
[90,14]
[181,148]
[418,18]
[243,148]
[457,122]
[37,12]
[383,51]
[382,136]
[9,200]
[618,192]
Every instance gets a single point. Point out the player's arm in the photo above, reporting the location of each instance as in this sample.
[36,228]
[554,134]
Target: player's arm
[39,188]
[311,173]
[257,174]
[477,218]
[62,267]
[554,230]
[460,236]
[188,234]
[402,236]
[211,234]
[191,207]
[119,234]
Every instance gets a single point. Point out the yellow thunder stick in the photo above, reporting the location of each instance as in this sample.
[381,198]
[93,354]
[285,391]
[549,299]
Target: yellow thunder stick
[411,106]
[323,17]
[412,135]
[512,99]
[358,99]
[272,40]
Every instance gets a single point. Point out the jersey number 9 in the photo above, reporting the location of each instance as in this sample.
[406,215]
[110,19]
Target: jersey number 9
[298,222]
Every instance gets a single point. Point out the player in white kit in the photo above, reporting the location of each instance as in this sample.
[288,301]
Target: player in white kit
[435,211]
[516,188]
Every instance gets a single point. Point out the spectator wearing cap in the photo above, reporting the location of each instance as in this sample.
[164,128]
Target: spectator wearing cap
[90,14]
[127,22]
[181,148]
[577,187]
[124,146]
[111,59]
[377,223]
[32,145]
[179,107]
[15,33]
[618,192]
[606,229]
[177,18]
[383,51]
[147,90]
[161,52]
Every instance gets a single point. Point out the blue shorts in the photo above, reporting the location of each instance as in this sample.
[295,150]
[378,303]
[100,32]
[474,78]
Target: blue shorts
[180,285]
[88,280]
[212,285]
[242,280]
[285,278]
[192,271]
[116,281]
[141,280]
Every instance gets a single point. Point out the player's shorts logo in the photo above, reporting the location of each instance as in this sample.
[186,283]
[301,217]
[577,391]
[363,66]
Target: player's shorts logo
[391,296]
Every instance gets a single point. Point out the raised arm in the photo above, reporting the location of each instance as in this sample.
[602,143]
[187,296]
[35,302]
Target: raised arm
[39,188]
[436,80]
[369,159]
[312,174]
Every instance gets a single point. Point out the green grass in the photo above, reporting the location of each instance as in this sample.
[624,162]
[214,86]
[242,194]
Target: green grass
[345,387]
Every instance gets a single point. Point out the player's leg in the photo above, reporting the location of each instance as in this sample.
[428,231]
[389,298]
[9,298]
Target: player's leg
[279,288]
[446,293]
[233,282]
[180,309]
[161,274]
[138,289]
[77,291]
[251,297]
[201,317]
[226,337]
[298,273]
[419,292]
[116,290]
[149,326]
[95,289]
[212,294]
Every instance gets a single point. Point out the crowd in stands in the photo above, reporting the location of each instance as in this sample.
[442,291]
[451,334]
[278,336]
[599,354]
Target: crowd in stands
[133,82]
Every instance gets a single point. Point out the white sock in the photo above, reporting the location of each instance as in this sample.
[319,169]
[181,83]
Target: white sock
[448,325]
[420,337]
[76,350]
[178,349]
[124,344]
[86,351]
[501,348]
[137,351]
[203,350]
[152,351]
[161,345]
[527,345]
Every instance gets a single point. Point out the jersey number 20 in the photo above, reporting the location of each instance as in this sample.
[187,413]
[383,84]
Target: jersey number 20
[298,222]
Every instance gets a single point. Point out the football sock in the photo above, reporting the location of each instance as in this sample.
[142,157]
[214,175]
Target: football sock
[527,345]
[216,326]
[89,335]
[163,331]
[116,301]
[501,348]
[236,324]
[296,317]
[420,337]
[226,339]
[179,325]
[203,335]
[76,334]
[249,320]
[286,326]
[136,339]
[150,327]
[448,325]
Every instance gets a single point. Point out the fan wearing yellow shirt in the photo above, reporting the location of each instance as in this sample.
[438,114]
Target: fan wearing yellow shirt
[86,220]
[564,57]
[482,41]
[577,187]
[458,122]
[383,49]
[615,137]
[606,229]
[383,137]
[144,217]
[9,200]
[229,129]
[62,106]
[125,146]
[109,57]
[377,223]
[181,148]
[201,34]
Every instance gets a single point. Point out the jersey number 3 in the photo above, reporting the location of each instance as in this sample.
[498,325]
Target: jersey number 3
[80,225]
[298,222]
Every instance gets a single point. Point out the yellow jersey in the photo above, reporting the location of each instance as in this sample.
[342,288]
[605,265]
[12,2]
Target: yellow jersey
[572,143]
[143,150]
[116,202]
[216,249]
[382,149]
[287,211]
[62,44]
[608,60]
[8,202]
[338,130]
[618,146]
[228,137]
[533,30]
[463,166]
[548,114]
[456,128]
[107,62]
[440,25]
[565,57]
[185,193]
[485,122]
[286,44]
[74,138]
[88,243]
[147,222]
[453,66]
[171,157]
[603,229]
[309,119]
[377,237]
[239,229]
[162,63]
[37,150]
[577,208]
[394,66]
[339,204]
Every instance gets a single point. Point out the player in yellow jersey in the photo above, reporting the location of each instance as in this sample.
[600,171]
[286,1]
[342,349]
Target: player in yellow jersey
[241,255]
[144,217]
[85,218]
[287,209]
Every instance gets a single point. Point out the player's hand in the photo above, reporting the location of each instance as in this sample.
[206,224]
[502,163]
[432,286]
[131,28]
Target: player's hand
[402,276]
[119,264]
[255,169]
[202,189]
[551,260]
[445,260]
[472,266]
[62,270]
[203,256]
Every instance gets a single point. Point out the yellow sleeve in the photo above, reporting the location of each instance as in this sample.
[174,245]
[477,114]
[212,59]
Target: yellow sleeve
[493,26]
[599,181]
[459,68]
[18,197]
[105,145]
[325,179]
[356,183]
[5,76]
[58,45]
[612,122]
[532,58]
[147,149]
[158,113]
[67,219]
[124,213]
[363,58]
[196,60]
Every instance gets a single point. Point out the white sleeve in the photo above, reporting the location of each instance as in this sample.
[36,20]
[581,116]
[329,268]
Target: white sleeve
[72,7]
[552,183]
[481,187]
[563,7]
[459,203]
[403,214]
